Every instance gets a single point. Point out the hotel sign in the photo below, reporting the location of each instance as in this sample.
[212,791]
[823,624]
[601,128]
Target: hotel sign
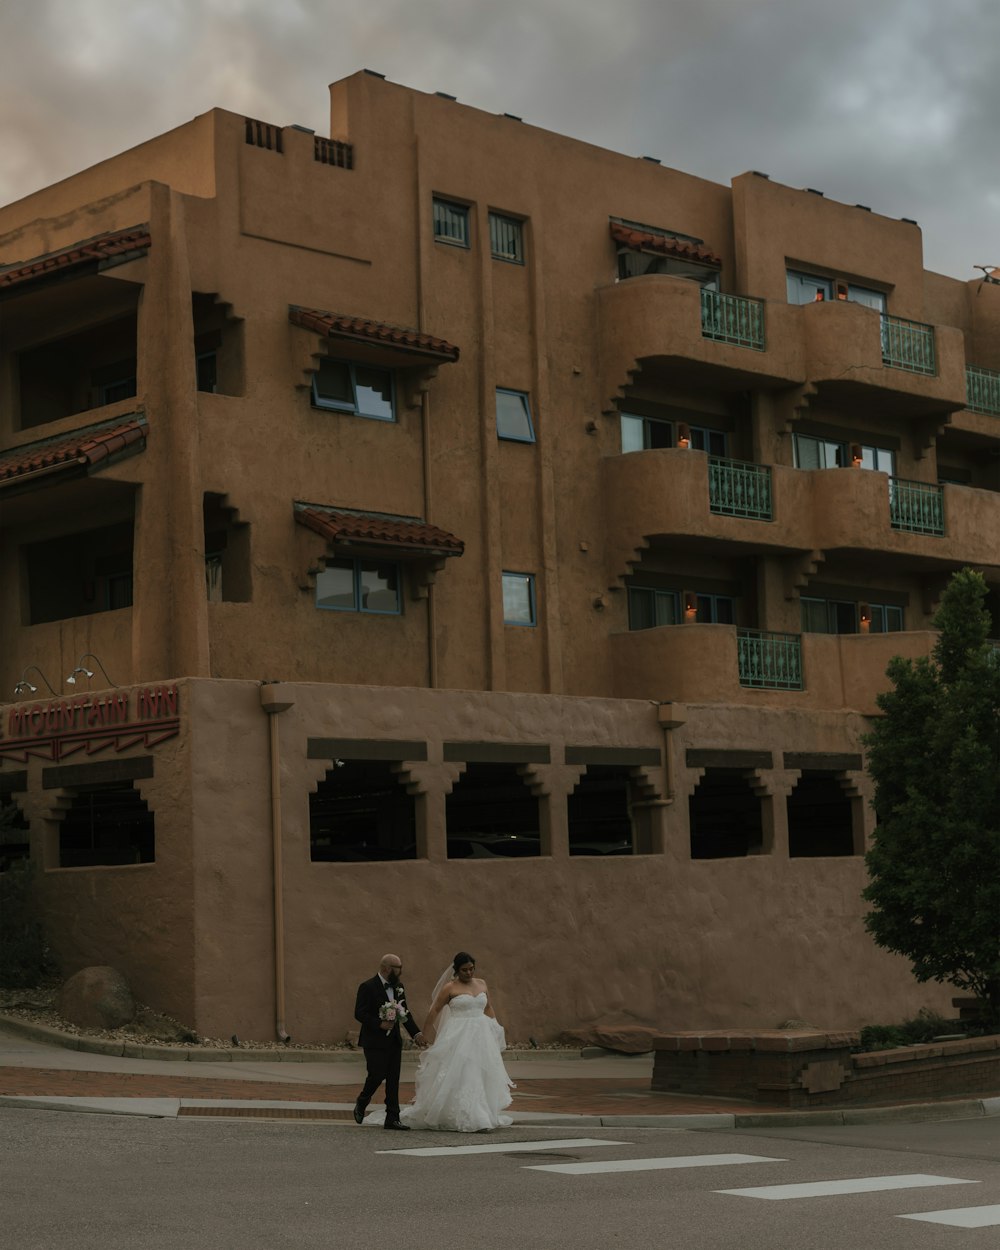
[88,723]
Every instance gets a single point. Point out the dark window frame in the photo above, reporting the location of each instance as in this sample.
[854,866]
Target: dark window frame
[357,564]
[352,407]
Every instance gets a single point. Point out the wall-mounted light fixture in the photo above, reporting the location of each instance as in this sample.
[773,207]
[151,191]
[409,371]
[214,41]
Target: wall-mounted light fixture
[865,617]
[25,687]
[82,671]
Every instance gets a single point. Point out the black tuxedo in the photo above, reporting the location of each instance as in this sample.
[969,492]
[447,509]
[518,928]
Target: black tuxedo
[383,1047]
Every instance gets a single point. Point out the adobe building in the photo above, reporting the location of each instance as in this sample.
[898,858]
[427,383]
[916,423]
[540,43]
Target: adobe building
[460,536]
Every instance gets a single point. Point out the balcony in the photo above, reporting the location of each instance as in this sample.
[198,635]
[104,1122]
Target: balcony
[880,365]
[695,337]
[916,507]
[908,345]
[982,390]
[733,319]
[715,664]
[769,661]
[738,488]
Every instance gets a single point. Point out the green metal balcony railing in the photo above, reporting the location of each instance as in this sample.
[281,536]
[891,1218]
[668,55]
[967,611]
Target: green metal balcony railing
[982,390]
[769,661]
[908,345]
[916,507]
[732,319]
[738,488]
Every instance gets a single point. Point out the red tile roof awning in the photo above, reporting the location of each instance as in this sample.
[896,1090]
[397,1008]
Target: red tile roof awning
[72,454]
[117,247]
[662,243]
[372,333]
[401,534]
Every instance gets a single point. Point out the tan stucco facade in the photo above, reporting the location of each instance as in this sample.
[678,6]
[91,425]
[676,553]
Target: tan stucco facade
[158,426]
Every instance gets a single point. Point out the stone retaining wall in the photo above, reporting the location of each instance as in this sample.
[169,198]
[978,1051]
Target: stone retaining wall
[810,1068]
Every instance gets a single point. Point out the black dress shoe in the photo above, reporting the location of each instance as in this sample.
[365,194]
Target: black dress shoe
[398,1124]
[359,1113]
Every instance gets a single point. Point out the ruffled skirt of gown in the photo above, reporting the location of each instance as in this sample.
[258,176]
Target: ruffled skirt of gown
[461,1083]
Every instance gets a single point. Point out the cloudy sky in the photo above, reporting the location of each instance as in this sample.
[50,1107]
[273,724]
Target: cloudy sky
[890,103]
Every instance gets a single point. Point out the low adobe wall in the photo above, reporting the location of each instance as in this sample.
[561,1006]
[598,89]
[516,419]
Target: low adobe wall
[808,1068]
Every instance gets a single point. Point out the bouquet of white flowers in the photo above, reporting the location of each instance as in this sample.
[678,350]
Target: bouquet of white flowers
[395,1013]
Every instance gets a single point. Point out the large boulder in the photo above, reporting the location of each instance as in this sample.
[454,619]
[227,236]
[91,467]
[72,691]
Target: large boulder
[97,998]
[625,1039]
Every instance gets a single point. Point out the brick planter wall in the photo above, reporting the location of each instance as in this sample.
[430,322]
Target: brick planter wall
[809,1068]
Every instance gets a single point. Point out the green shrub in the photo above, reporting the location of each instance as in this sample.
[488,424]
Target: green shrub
[24,958]
[924,1027]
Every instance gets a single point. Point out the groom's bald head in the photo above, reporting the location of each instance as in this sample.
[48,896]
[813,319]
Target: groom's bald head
[390,963]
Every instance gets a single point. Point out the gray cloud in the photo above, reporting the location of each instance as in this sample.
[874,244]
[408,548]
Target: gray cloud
[891,104]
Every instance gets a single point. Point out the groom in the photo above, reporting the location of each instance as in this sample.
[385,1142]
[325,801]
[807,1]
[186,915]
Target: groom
[381,1039]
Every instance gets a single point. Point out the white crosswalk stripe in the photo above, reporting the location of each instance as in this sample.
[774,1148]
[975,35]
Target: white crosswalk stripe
[960,1217]
[649,1165]
[506,1147]
[853,1185]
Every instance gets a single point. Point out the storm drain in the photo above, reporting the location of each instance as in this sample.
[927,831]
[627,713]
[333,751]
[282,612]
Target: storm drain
[268,1113]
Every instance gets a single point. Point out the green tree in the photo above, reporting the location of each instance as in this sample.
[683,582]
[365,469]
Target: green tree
[934,755]
[23,956]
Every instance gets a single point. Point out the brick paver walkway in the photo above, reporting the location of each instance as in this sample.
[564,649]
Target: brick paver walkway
[573,1096]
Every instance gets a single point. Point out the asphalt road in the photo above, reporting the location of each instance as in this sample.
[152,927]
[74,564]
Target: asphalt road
[100,1181]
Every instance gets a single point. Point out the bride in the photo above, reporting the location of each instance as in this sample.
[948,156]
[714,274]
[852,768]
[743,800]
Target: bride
[461,1082]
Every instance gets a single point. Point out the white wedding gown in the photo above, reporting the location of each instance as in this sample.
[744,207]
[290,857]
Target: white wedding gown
[461,1082]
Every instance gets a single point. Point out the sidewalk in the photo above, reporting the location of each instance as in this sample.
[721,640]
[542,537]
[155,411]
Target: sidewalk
[553,1087]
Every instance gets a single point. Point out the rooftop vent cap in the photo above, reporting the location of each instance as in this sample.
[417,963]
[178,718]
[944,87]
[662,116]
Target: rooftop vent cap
[445,96]
[306,130]
[513,117]
[813,191]
[374,73]
[863,207]
[909,221]
[653,160]
[757,174]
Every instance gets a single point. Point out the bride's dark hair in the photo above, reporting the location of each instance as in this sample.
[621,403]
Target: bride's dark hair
[463,957]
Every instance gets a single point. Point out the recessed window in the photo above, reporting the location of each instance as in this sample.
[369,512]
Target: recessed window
[712,441]
[206,368]
[506,239]
[811,288]
[519,599]
[363,390]
[884,618]
[649,607]
[645,433]
[451,223]
[514,416]
[715,610]
[359,586]
[106,824]
[824,453]
[829,616]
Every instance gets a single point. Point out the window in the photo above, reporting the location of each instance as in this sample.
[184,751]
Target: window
[451,223]
[809,288]
[106,824]
[884,618]
[519,599]
[492,814]
[649,607]
[514,416]
[715,610]
[206,366]
[644,433]
[506,239]
[361,812]
[712,441]
[823,453]
[359,586]
[829,616]
[364,390]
